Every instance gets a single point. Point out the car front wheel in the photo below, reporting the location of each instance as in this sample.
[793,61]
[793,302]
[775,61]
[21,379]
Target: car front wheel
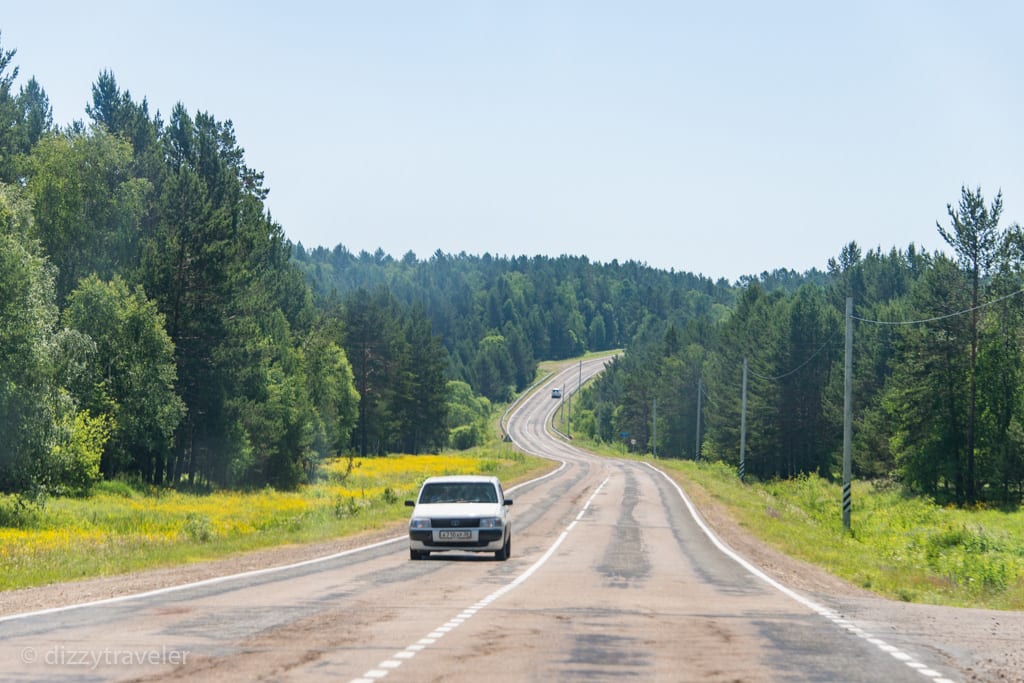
[506,551]
[418,554]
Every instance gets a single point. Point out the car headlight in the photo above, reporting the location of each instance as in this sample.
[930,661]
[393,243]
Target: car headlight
[419,523]
[490,523]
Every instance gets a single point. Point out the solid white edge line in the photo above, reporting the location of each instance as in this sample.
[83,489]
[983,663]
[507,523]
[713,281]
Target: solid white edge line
[199,584]
[729,552]
[232,577]
[758,573]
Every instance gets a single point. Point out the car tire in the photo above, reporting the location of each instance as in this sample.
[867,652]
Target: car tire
[418,554]
[506,550]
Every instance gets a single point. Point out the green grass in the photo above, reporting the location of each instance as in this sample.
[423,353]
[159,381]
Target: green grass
[898,546]
[123,528]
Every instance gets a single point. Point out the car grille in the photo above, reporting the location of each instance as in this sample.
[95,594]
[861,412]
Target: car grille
[456,523]
[485,536]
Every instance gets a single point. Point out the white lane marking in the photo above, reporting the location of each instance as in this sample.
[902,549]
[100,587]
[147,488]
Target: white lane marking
[412,650]
[198,584]
[820,609]
[243,575]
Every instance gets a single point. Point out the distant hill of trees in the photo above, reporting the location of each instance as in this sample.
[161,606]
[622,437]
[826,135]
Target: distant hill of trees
[497,316]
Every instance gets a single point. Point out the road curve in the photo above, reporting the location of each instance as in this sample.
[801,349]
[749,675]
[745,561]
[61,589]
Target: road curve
[612,577]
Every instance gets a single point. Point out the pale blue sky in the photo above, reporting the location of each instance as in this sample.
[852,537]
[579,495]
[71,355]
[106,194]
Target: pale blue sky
[716,138]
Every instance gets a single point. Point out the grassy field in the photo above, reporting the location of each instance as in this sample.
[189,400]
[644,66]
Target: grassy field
[121,528]
[901,547]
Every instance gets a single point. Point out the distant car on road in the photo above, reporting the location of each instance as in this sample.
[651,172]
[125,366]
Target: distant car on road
[460,512]
[556,393]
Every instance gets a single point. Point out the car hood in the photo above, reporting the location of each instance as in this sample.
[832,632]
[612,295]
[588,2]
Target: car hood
[457,510]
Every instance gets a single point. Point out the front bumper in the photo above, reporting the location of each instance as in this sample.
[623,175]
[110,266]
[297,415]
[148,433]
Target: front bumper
[486,540]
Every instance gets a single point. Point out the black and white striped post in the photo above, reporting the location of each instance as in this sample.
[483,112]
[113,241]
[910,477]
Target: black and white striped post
[743,424]
[700,392]
[848,415]
[654,423]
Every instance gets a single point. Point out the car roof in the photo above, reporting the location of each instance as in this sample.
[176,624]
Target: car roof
[463,479]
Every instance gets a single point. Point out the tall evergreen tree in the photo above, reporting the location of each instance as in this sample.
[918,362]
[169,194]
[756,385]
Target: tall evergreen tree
[212,264]
[374,346]
[925,396]
[10,116]
[36,115]
[1000,373]
[809,438]
[975,237]
[423,410]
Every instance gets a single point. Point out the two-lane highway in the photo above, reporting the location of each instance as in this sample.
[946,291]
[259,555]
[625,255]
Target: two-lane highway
[611,577]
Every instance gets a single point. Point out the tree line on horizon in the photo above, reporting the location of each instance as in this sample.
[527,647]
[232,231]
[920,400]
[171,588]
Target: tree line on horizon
[157,324]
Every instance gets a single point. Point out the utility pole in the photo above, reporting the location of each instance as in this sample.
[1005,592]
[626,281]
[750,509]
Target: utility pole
[743,424]
[655,428]
[848,415]
[700,391]
[579,387]
[568,419]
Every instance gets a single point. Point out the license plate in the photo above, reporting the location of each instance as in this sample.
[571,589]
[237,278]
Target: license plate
[454,535]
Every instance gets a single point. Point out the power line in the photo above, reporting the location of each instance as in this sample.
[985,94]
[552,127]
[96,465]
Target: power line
[938,317]
[711,402]
[799,367]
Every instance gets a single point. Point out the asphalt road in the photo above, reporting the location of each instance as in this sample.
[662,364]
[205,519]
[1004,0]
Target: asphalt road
[612,577]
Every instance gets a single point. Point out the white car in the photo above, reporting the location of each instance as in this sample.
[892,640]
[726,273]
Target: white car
[464,512]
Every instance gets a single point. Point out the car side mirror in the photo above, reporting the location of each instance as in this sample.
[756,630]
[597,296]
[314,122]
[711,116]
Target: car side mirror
[508,501]
[410,503]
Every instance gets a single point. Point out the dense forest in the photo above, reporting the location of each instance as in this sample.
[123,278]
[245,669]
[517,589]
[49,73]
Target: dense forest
[157,324]
[937,370]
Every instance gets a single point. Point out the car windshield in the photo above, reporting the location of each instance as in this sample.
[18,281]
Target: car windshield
[459,493]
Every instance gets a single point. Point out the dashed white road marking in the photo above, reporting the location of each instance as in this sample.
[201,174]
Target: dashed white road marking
[381,671]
